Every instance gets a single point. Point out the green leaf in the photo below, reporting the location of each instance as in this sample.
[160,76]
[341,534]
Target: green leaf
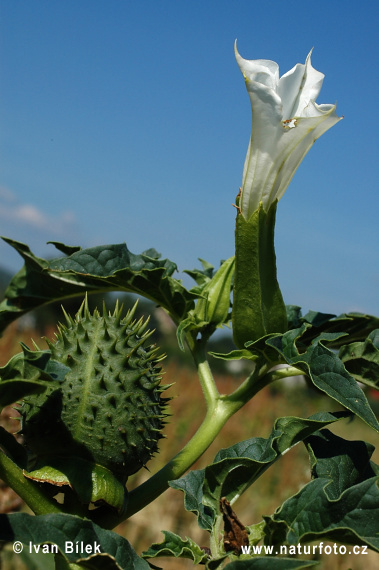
[201,276]
[12,391]
[29,372]
[293,316]
[60,529]
[236,468]
[33,561]
[317,319]
[21,377]
[340,504]
[174,545]
[215,563]
[192,486]
[325,369]
[361,359]
[356,325]
[235,355]
[343,463]
[96,269]
[270,563]
[66,249]
[26,373]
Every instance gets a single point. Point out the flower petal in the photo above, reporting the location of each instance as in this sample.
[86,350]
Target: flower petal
[262,71]
[266,130]
[298,87]
[294,145]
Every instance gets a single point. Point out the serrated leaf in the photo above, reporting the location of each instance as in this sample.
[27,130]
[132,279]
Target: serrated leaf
[192,486]
[234,469]
[66,249]
[215,563]
[201,276]
[361,359]
[270,563]
[235,355]
[174,545]
[293,316]
[116,552]
[29,372]
[26,373]
[317,319]
[260,348]
[356,325]
[325,369]
[96,269]
[12,391]
[238,467]
[343,463]
[346,510]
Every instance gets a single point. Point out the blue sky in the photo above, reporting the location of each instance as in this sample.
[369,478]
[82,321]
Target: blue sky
[129,121]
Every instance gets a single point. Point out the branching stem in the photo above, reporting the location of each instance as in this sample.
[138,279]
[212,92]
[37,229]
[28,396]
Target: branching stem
[219,409]
[207,382]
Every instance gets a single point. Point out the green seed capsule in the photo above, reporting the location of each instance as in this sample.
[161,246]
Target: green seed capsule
[109,408]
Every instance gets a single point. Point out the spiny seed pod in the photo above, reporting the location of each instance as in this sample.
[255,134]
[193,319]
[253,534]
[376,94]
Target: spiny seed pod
[108,409]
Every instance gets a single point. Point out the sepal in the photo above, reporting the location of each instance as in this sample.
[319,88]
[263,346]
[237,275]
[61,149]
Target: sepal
[258,307]
[94,484]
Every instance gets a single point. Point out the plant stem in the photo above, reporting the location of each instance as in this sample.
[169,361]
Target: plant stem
[213,422]
[219,409]
[249,387]
[216,417]
[207,382]
[286,372]
[26,489]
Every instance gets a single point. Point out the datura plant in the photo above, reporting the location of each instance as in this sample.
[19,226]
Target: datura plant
[92,405]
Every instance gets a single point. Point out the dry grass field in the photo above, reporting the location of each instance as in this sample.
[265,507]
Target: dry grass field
[256,419]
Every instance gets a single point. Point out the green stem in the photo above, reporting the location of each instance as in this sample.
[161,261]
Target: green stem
[208,385]
[26,489]
[213,422]
[220,409]
[261,376]
[286,372]
[256,380]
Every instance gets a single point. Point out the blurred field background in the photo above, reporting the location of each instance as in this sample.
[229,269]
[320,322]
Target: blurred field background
[281,481]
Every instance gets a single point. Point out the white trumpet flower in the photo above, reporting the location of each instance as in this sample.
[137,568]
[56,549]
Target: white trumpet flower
[286,122]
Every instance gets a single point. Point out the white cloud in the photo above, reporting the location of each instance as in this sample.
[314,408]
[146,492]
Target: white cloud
[6,195]
[32,225]
[16,214]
